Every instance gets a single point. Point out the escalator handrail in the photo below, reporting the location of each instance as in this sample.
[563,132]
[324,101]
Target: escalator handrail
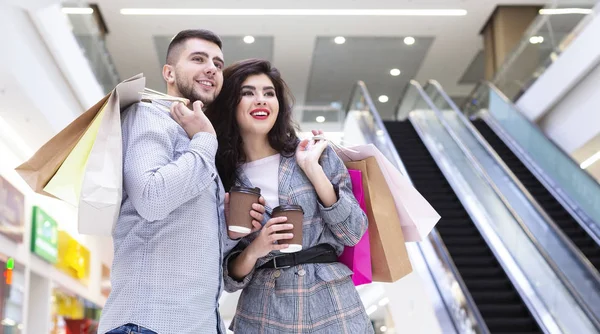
[572,291]
[434,236]
[360,85]
[563,238]
[572,206]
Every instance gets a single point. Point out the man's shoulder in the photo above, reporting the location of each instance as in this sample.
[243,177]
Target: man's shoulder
[147,111]
[154,108]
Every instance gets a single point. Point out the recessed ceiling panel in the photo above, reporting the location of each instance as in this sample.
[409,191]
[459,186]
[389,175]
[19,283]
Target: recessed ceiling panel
[337,67]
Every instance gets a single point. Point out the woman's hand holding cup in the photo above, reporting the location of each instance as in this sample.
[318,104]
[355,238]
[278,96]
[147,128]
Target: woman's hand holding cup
[267,239]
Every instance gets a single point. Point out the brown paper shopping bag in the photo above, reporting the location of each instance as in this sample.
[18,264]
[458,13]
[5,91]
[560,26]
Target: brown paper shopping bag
[417,216]
[42,166]
[389,256]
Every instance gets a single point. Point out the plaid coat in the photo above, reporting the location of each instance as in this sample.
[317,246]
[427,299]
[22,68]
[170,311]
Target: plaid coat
[309,298]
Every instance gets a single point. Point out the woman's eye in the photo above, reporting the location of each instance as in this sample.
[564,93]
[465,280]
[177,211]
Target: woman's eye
[271,94]
[246,93]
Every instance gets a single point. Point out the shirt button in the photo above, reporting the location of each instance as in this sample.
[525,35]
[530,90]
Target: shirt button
[301,272]
[277,274]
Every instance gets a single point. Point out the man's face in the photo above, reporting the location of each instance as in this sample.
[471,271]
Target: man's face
[199,71]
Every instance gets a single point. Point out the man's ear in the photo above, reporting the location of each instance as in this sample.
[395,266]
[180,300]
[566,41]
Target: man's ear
[168,74]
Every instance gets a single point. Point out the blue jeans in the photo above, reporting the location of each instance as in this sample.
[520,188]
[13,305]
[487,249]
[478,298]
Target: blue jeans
[131,329]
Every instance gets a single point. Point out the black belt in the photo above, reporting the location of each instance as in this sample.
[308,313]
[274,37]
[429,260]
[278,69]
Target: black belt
[324,253]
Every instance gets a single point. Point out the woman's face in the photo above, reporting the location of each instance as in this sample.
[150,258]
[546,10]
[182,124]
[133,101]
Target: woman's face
[258,108]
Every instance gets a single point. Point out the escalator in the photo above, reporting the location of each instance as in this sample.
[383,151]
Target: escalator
[571,228]
[498,301]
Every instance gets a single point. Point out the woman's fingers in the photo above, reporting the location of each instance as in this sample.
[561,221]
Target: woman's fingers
[280,227]
[274,221]
[280,246]
[280,236]
[256,225]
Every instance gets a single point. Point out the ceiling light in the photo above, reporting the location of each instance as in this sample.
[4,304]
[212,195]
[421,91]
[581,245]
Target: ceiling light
[371,309]
[590,161]
[384,301]
[339,40]
[78,10]
[383,98]
[248,39]
[292,12]
[536,40]
[395,72]
[383,329]
[409,40]
[562,11]
[320,119]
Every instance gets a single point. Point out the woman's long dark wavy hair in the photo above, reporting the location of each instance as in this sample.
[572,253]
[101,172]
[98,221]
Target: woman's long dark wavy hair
[222,114]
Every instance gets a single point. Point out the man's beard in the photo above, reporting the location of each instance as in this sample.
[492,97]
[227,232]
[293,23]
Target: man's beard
[188,92]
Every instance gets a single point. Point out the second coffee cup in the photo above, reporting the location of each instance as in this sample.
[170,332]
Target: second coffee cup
[240,205]
[295,216]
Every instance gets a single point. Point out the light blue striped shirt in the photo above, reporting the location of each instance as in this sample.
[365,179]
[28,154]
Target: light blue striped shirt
[170,235]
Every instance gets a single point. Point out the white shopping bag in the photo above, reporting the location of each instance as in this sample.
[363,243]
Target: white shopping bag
[417,216]
[102,187]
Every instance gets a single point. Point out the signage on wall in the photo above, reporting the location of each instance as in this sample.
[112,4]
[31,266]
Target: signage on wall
[44,235]
[74,258]
[12,211]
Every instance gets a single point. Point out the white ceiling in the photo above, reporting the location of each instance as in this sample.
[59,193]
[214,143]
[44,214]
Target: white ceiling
[302,46]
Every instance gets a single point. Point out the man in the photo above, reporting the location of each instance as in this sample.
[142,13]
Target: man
[170,236]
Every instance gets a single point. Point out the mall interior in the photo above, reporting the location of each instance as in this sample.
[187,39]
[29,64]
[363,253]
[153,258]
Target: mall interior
[490,108]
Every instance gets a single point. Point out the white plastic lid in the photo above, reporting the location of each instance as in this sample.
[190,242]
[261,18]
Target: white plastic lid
[239,229]
[293,248]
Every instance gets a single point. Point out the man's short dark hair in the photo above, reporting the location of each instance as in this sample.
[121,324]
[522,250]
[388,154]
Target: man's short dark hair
[183,36]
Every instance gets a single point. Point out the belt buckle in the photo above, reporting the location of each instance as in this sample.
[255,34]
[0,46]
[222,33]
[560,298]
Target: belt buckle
[275,263]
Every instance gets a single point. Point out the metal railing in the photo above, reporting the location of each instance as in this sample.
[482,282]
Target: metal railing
[458,302]
[573,265]
[545,39]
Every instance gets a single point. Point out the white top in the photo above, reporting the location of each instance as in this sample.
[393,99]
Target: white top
[264,173]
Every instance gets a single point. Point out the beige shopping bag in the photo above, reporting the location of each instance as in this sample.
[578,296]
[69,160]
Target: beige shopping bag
[41,167]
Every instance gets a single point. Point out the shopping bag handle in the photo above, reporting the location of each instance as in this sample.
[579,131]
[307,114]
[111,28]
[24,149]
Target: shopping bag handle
[152,94]
[337,148]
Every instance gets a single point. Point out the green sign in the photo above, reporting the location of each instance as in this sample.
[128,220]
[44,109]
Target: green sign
[44,238]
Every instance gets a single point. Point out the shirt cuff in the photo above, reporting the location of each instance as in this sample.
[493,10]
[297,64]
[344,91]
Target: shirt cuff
[338,212]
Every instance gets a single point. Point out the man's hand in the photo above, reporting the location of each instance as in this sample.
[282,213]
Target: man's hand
[192,121]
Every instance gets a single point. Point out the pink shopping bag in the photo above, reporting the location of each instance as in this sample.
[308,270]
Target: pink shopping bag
[358,258]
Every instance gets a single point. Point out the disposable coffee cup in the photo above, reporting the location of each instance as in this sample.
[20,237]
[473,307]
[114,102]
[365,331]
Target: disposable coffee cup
[240,205]
[295,216]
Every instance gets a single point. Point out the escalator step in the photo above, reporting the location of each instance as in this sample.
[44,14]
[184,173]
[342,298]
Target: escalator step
[508,325]
[501,307]
[547,201]
[470,273]
[504,310]
[493,297]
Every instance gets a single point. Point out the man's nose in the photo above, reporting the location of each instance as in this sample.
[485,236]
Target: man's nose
[211,69]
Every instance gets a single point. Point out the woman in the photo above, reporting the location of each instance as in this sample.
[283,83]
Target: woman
[307,291]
